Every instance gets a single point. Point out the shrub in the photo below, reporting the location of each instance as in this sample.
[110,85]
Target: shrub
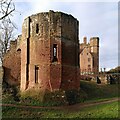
[72,96]
[44,98]
[55,98]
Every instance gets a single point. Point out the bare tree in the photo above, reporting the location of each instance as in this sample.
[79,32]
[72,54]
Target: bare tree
[6,26]
[6,8]
[6,35]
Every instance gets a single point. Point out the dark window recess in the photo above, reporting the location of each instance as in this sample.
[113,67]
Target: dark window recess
[89,66]
[88,59]
[27,72]
[93,62]
[37,28]
[18,50]
[28,51]
[28,60]
[55,52]
[36,73]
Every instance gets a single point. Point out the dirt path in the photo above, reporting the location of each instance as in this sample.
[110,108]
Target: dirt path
[68,107]
[83,105]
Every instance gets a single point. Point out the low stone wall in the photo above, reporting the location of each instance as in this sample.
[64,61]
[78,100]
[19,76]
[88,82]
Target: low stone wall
[102,78]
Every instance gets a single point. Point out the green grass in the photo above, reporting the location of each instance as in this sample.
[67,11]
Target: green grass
[98,92]
[108,110]
[90,92]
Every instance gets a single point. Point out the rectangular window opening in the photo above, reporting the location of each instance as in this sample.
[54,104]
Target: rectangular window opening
[88,59]
[93,62]
[28,59]
[36,73]
[28,51]
[37,28]
[89,66]
[55,52]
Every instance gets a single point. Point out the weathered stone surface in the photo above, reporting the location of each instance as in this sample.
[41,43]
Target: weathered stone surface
[40,33]
[11,65]
[89,56]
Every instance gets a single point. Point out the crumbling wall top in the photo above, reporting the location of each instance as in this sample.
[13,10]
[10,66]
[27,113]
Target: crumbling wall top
[51,12]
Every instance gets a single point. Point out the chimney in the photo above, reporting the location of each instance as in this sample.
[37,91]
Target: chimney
[85,40]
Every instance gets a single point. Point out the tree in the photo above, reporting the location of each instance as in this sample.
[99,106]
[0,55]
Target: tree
[6,35]
[6,26]
[6,8]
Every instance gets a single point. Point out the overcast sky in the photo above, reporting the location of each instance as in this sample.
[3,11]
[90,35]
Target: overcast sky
[96,19]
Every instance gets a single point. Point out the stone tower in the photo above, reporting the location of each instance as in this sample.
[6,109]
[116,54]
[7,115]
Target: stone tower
[89,56]
[50,52]
[85,40]
[94,46]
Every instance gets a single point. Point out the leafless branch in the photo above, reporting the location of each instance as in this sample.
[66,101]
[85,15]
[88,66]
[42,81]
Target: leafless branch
[6,35]
[7,7]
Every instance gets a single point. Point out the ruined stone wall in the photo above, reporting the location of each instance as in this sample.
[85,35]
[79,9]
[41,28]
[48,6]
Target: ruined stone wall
[11,65]
[41,34]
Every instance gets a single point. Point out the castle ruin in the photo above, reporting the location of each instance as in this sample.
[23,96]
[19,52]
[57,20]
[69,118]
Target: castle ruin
[89,56]
[49,52]
[46,55]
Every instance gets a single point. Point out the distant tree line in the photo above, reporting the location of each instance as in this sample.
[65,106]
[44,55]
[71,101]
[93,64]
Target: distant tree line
[115,70]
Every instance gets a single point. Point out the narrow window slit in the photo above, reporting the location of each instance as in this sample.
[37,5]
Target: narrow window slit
[37,28]
[36,73]
[55,53]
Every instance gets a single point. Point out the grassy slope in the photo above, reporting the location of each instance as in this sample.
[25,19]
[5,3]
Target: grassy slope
[97,92]
[89,92]
[109,110]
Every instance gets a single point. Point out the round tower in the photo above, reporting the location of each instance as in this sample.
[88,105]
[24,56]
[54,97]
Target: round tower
[49,52]
[94,46]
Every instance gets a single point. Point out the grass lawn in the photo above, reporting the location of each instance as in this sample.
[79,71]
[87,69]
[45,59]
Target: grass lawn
[108,110]
[89,92]
[96,92]
[93,93]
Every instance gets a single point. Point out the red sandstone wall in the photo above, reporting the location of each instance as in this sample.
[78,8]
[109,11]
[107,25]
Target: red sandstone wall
[70,53]
[11,65]
[54,28]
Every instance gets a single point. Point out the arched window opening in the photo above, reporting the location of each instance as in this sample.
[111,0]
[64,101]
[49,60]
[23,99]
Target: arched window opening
[55,52]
